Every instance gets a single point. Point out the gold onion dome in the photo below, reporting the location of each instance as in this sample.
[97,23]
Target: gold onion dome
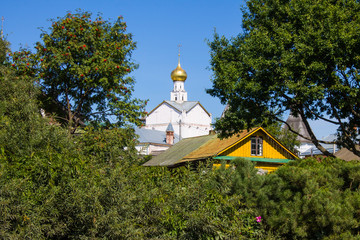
[178,74]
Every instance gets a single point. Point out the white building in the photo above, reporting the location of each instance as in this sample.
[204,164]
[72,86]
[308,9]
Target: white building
[188,118]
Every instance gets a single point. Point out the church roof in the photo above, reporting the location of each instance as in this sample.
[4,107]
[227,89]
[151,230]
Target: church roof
[153,136]
[183,106]
[178,74]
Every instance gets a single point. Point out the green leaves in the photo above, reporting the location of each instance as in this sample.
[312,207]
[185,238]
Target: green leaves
[82,66]
[312,198]
[292,55]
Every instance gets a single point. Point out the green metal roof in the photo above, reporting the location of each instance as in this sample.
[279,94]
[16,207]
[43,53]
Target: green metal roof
[173,155]
[255,159]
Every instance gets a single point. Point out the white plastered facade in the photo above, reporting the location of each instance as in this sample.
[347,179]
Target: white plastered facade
[189,119]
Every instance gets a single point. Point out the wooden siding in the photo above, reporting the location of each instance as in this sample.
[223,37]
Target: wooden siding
[271,149]
[269,167]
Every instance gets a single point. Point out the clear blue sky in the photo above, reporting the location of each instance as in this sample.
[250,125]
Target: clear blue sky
[157,27]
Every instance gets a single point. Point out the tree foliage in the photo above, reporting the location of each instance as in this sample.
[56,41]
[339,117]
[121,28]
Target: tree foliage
[91,186]
[286,137]
[312,199]
[83,67]
[301,56]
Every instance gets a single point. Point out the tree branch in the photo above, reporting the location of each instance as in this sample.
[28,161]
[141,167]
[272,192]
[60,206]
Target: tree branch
[297,133]
[351,146]
[322,118]
[312,136]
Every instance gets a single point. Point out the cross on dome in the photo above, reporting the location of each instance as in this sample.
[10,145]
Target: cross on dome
[178,74]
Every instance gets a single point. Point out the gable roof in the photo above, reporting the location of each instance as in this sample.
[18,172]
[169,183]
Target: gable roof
[197,148]
[173,155]
[216,145]
[184,106]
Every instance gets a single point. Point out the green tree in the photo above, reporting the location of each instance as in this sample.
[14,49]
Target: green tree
[312,199]
[286,137]
[82,66]
[4,48]
[301,56]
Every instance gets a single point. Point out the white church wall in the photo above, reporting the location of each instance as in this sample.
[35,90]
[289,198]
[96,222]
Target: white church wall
[193,130]
[162,116]
[196,122]
[198,115]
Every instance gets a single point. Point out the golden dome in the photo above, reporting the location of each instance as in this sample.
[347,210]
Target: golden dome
[178,74]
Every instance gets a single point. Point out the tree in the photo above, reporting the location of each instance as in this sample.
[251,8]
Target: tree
[3,50]
[289,139]
[301,56]
[312,199]
[82,67]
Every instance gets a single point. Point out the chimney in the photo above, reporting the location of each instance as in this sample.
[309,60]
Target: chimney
[170,134]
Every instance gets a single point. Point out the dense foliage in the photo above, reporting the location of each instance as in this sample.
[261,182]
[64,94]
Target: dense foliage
[312,199]
[300,56]
[92,185]
[83,67]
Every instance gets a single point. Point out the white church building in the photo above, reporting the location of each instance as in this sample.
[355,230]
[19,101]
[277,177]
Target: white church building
[188,118]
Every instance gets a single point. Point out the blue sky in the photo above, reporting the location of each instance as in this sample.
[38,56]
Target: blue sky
[158,27]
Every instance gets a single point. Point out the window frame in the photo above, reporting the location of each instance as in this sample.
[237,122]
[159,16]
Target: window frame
[256,146]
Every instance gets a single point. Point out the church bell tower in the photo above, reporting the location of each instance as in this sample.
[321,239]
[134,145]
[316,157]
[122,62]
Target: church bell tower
[178,75]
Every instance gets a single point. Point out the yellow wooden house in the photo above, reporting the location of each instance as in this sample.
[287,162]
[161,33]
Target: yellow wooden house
[256,145]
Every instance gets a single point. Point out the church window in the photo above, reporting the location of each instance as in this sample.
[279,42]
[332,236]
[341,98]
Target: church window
[256,146]
[175,98]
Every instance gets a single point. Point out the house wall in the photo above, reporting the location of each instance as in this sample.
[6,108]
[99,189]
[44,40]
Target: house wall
[269,167]
[271,149]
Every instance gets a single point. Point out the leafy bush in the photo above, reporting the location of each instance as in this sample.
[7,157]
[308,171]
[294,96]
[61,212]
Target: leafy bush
[310,199]
[56,186]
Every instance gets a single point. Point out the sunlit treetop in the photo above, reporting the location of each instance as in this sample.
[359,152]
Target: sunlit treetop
[83,65]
